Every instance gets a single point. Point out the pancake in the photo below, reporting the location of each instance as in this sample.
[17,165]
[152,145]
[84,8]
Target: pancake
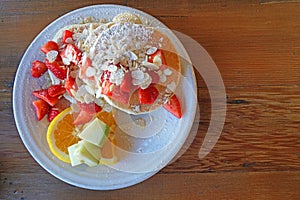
[127,17]
[84,34]
[113,47]
[89,29]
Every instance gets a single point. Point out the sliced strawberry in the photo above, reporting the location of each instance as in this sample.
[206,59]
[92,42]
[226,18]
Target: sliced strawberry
[49,46]
[173,106]
[71,53]
[159,53]
[41,108]
[66,34]
[119,95]
[56,90]
[38,68]
[59,70]
[126,84]
[154,76]
[106,88]
[85,63]
[148,95]
[53,112]
[70,84]
[43,94]
[90,108]
[62,104]
[83,117]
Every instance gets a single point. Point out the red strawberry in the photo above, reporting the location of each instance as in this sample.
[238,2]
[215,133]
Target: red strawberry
[83,117]
[71,53]
[173,106]
[62,104]
[56,90]
[148,95]
[41,108]
[106,88]
[154,76]
[90,108]
[53,112]
[60,71]
[49,46]
[66,34]
[120,96]
[38,68]
[43,94]
[70,84]
[126,84]
[86,62]
[159,53]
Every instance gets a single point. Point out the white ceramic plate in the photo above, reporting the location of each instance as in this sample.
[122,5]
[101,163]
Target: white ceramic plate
[147,155]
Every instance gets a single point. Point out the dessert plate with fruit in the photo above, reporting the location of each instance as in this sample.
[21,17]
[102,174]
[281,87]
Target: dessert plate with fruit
[104,97]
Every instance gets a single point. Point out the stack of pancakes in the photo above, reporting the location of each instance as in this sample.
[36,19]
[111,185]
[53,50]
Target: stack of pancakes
[89,37]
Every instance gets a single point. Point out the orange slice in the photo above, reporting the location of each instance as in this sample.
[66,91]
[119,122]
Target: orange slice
[61,134]
[107,118]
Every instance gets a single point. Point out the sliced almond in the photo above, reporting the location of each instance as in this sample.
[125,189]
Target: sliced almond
[132,55]
[112,68]
[69,40]
[151,50]
[117,77]
[90,71]
[137,81]
[147,81]
[157,61]
[168,72]
[66,61]
[150,66]
[137,74]
[52,55]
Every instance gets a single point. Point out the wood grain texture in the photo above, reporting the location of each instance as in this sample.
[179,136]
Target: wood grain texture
[256,46]
[264,37]
[255,185]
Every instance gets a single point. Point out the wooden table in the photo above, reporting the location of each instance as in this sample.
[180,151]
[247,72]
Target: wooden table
[256,46]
